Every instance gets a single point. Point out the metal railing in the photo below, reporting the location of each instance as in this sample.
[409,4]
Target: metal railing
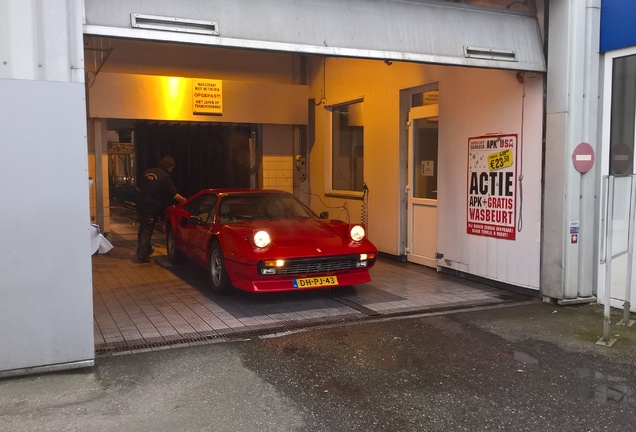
[611,249]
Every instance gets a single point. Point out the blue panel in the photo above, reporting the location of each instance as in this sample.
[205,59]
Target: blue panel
[617,24]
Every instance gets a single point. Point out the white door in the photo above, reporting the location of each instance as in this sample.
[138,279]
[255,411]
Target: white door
[422,185]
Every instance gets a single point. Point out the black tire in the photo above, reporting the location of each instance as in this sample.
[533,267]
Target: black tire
[219,279]
[174,255]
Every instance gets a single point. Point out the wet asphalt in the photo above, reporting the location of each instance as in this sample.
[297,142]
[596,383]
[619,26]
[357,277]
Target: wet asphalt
[530,367]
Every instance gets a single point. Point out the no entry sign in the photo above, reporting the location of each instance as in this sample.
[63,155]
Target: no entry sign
[583,157]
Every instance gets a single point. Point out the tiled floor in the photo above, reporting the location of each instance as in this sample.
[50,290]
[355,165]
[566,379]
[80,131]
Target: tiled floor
[156,305]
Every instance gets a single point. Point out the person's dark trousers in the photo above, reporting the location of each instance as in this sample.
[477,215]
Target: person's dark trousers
[144,236]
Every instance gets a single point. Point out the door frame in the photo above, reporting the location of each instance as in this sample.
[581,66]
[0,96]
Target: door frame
[616,299]
[419,113]
[406,103]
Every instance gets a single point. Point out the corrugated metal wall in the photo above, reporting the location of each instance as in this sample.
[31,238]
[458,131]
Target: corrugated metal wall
[421,32]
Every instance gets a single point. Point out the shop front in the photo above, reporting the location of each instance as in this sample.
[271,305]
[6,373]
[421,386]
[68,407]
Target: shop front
[429,132]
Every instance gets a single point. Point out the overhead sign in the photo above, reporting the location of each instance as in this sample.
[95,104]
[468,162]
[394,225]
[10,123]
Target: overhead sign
[207,96]
[583,157]
[492,171]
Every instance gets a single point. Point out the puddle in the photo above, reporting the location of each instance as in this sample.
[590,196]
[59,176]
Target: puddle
[521,357]
[604,388]
[444,324]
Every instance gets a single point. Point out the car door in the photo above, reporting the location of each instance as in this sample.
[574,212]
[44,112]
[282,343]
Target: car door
[195,227]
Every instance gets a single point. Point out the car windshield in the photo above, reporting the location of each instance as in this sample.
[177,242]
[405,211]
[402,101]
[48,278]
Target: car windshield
[265,206]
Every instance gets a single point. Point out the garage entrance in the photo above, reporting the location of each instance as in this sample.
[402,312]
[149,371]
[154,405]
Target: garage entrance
[292,98]
[156,305]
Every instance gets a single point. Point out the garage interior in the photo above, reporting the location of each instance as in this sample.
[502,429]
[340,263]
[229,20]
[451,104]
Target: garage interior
[157,305]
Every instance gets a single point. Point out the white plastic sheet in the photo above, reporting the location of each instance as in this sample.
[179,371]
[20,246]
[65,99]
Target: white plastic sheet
[99,243]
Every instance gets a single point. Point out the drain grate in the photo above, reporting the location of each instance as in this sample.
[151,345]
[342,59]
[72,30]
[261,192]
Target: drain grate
[104,350]
[287,326]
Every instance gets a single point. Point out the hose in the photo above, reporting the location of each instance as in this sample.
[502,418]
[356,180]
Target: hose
[364,211]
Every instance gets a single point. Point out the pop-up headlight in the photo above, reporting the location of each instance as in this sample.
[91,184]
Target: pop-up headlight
[357,233]
[261,239]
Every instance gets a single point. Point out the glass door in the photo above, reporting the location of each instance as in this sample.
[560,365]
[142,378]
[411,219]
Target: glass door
[422,187]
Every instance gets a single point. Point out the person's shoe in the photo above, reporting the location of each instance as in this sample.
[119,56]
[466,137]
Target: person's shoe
[143,259]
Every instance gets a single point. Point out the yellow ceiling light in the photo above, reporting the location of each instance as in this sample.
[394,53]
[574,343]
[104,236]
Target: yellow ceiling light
[174,91]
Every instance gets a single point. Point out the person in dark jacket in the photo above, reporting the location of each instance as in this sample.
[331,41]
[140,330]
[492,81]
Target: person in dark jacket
[156,189]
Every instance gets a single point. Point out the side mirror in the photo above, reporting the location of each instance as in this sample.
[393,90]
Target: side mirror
[324,215]
[194,220]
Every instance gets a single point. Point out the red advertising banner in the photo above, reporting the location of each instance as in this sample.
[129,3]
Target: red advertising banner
[492,193]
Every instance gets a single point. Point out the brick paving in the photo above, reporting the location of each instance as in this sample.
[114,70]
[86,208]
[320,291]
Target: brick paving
[156,305]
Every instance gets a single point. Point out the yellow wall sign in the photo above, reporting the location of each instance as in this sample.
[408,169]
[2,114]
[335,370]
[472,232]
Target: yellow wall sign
[207,96]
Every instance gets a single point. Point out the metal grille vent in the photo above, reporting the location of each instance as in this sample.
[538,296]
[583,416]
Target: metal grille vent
[490,54]
[303,266]
[183,25]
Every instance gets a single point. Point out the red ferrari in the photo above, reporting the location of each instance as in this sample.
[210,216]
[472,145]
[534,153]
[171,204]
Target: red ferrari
[265,241]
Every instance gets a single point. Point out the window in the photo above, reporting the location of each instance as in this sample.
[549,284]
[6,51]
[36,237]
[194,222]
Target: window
[347,147]
[202,207]
[268,206]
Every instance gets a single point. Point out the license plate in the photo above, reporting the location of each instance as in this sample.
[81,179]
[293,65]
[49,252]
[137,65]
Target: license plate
[315,282]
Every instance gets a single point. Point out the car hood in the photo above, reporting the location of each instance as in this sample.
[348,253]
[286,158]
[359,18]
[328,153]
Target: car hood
[330,237]
[311,232]
[291,238]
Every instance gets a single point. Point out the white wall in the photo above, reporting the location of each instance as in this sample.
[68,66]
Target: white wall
[41,40]
[472,102]
[475,102]
[278,159]
[46,306]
